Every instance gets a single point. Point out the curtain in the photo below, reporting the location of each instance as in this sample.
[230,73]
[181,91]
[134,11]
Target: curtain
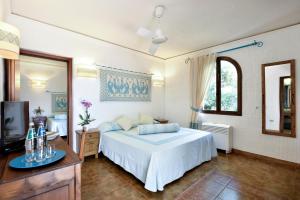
[201,69]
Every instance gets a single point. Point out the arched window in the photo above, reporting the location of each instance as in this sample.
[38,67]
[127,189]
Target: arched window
[224,95]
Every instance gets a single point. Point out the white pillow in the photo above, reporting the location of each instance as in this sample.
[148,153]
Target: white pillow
[124,122]
[135,123]
[145,119]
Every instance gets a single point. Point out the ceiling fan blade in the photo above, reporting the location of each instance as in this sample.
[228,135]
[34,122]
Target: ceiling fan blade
[144,32]
[153,48]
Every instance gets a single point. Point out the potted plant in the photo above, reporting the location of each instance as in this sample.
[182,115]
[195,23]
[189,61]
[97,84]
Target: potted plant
[86,117]
[38,111]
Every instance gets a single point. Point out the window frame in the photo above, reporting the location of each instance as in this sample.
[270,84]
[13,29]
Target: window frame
[218,88]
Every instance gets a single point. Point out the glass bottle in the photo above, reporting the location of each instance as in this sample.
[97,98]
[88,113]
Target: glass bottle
[29,144]
[34,135]
[40,147]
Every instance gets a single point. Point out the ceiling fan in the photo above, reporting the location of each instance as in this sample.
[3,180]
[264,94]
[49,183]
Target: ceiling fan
[157,36]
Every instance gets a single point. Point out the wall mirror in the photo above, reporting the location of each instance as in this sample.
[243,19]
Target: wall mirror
[45,81]
[278,98]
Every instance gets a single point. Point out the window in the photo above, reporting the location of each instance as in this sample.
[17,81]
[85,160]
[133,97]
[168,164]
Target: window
[224,94]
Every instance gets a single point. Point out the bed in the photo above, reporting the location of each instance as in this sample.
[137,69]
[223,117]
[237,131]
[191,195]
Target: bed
[58,126]
[158,159]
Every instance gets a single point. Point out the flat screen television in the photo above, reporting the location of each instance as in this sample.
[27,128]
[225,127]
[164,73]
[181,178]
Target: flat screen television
[14,125]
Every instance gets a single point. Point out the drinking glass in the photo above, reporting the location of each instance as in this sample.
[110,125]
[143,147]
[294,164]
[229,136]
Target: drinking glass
[40,154]
[50,150]
[29,151]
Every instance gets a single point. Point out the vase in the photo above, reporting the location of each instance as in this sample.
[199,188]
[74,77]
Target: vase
[84,128]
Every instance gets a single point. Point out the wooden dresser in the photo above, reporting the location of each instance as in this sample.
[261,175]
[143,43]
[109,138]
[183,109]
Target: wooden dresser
[59,181]
[88,142]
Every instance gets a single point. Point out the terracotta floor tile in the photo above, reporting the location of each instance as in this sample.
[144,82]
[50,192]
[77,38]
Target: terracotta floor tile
[251,190]
[244,178]
[211,186]
[221,178]
[199,195]
[229,194]
[204,186]
[126,193]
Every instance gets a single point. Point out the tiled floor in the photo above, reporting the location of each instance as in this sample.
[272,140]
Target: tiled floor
[227,177]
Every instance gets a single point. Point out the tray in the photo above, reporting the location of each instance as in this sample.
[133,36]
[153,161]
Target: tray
[20,163]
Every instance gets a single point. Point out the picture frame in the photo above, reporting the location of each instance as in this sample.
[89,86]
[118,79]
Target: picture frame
[59,102]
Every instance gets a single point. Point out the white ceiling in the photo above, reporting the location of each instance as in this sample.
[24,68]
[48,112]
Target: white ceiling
[40,68]
[189,24]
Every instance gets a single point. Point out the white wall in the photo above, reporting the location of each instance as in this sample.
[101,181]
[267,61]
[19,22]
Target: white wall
[38,96]
[272,94]
[2,10]
[1,80]
[1,60]
[41,37]
[279,45]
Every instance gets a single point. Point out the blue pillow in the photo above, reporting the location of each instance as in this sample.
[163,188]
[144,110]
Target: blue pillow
[158,128]
[109,126]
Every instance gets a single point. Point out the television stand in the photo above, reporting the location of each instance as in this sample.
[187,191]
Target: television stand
[61,180]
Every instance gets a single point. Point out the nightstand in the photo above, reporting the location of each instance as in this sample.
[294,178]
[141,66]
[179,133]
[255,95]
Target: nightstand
[162,121]
[88,142]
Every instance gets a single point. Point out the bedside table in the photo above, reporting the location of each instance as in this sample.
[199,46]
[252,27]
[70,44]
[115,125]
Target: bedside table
[162,121]
[88,142]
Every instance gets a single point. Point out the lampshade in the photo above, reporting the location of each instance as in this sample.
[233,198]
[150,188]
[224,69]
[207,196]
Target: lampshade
[9,41]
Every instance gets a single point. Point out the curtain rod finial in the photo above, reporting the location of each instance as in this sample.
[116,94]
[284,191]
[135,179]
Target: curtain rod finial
[187,60]
[259,43]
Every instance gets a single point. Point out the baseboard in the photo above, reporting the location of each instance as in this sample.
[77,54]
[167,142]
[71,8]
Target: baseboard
[267,159]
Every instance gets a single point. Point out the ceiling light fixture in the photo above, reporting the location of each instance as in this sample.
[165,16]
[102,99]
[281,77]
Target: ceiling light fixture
[158,80]
[157,36]
[38,84]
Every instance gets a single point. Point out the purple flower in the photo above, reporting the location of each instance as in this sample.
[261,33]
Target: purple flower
[86,117]
[86,104]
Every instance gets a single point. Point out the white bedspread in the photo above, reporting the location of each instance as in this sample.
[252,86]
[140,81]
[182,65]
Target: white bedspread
[158,159]
[58,126]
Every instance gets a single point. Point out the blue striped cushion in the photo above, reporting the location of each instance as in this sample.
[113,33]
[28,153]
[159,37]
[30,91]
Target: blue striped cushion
[158,128]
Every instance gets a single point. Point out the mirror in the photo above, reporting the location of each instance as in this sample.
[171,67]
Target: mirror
[278,98]
[45,81]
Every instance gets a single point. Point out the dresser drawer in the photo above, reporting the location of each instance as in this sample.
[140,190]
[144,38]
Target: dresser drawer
[35,187]
[90,148]
[92,136]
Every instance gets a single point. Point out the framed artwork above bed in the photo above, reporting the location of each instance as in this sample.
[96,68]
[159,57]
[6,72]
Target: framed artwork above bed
[123,86]
[59,102]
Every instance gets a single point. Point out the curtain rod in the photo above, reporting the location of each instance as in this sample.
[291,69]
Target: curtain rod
[254,43]
[119,69]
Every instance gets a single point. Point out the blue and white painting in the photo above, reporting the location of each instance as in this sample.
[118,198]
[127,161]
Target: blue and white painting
[59,102]
[123,86]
